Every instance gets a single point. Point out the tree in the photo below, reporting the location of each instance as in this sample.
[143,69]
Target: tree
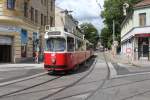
[106,37]
[113,10]
[90,32]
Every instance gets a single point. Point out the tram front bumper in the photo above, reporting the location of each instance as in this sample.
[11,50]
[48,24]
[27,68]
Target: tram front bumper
[54,67]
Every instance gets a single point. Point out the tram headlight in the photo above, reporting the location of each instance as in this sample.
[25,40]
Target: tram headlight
[53,60]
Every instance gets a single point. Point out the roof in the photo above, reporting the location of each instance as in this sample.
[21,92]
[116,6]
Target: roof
[143,3]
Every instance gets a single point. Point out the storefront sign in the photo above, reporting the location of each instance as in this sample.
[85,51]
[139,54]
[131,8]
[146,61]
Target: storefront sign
[5,40]
[4,28]
[143,35]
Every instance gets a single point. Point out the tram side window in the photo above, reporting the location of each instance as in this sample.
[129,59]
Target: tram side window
[70,44]
[76,45]
[80,45]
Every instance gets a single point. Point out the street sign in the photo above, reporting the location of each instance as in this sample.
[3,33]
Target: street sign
[115,43]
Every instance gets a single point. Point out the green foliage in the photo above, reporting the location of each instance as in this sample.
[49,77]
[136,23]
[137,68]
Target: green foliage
[113,10]
[91,33]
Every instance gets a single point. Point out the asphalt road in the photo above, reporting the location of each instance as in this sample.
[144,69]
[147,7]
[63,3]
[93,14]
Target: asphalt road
[92,81]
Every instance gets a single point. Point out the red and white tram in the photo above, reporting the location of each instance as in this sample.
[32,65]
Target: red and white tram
[64,51]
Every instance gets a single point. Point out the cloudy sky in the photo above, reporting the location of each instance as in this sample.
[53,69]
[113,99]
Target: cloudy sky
[84,10]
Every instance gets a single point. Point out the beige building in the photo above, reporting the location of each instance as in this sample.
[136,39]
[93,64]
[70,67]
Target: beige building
[22,27]
[65,20]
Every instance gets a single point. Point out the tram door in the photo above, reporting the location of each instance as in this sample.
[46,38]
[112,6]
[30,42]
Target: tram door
[5,53]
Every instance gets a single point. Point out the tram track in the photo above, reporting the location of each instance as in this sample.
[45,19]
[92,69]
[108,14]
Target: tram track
[91,92]
[21,79]
[70,85]
[130,83]
[126,98]
[127,76]
[17,92]
[102,84]
[29,87]
[84,83]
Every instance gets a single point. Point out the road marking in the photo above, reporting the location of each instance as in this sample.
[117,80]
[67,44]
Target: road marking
[22,79]
[113,72]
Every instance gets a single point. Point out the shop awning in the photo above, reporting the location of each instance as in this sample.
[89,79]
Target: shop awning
[143,35]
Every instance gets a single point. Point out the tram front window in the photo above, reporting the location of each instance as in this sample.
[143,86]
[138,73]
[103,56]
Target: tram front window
[56,44]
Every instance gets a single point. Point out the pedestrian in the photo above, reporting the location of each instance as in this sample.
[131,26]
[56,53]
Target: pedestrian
[36,57]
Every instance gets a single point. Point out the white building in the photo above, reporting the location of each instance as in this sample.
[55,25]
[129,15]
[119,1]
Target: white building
[135,33]
[64,19]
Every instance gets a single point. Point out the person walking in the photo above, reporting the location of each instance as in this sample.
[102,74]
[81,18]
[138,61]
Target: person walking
[36,57]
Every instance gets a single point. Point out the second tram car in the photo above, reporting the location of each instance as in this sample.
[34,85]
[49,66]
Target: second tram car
[64,51]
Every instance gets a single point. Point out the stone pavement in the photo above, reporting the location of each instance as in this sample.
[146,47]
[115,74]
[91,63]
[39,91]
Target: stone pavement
[9,72]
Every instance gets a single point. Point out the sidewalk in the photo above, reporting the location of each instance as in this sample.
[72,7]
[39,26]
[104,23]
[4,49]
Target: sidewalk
[125,60]
[22,65]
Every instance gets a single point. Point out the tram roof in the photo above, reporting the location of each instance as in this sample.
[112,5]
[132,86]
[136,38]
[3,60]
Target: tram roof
[63,33]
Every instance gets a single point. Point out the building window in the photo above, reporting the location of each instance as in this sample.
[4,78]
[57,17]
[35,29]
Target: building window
[36,16]
[25,9]
[45,2]
[11,4]
[142,19]
[42,19]
[32,13]
[51,21]
[51,5]
[24,42]
[41,1]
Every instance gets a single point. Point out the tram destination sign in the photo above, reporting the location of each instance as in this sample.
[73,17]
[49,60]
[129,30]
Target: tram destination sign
[54,33]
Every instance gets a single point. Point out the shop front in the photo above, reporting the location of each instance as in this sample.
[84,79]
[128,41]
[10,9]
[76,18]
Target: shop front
[5,49]
[143,46]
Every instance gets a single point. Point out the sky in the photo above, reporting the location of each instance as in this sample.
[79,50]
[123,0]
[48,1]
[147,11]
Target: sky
[84,10]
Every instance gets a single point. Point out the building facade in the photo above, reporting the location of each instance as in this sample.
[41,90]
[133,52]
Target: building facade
[135,33]
[65,20]
[22,24]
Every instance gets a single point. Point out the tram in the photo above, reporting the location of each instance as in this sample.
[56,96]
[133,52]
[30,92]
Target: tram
[64,51]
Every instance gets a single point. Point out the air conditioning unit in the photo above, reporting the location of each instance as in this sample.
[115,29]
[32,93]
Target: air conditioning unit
[47,27]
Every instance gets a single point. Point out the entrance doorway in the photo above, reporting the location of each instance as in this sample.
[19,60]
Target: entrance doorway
[5,53]
[143,45]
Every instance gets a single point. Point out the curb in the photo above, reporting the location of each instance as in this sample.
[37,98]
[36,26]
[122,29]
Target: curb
[113,72]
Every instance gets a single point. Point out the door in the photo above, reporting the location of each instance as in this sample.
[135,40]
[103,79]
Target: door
[145,47]
[5,53]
